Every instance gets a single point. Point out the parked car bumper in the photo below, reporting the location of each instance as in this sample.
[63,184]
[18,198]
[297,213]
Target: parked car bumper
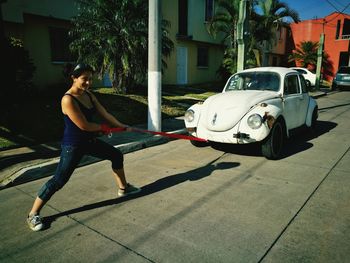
[342,83]
[240,134]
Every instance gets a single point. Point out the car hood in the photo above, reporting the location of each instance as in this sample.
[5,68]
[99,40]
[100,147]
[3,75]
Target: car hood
[223,111]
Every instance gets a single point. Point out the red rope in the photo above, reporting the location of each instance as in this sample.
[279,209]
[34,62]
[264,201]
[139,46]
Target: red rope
[170,135]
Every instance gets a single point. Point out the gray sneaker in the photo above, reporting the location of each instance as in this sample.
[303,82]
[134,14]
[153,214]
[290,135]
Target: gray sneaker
[129,189]
[35,222]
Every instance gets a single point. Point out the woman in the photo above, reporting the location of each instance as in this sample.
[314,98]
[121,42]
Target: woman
[78,107]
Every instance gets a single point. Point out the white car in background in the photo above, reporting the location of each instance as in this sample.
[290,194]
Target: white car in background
[259,105]
[309,76]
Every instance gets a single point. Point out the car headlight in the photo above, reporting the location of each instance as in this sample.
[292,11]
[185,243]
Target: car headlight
[189,115]
[254,121]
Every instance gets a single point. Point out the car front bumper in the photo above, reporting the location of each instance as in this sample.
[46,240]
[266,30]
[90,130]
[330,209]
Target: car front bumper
[234,135]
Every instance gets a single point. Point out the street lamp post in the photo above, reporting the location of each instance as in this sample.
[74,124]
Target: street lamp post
[154,66]
[242,32]
[319,61]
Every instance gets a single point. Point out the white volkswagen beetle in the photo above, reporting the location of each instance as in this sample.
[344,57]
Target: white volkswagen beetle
[256,105]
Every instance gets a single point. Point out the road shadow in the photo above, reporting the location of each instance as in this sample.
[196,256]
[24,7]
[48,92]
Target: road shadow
[299,141]
[154,187]
[344,88]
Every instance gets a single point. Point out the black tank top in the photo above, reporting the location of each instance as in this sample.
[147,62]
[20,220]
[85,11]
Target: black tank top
[72,134]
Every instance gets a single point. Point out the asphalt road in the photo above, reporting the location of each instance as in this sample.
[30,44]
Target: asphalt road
[221,204]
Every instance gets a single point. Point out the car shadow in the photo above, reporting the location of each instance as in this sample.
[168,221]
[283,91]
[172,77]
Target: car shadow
[298,142]
[240,149]
[154,187]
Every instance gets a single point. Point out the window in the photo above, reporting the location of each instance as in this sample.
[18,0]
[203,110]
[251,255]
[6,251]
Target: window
[344,58]
[183,17]
[291,85]
[254,81]
[344,70]
[60,45]
[337,30]
[346,29]
[202,56]
[209,10]
[303,84]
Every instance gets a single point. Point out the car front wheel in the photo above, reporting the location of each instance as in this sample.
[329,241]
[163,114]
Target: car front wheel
[314,119]
[334,86]
[272,147]
[199,144]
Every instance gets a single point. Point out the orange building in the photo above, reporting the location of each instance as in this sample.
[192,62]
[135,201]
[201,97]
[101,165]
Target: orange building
[336,28]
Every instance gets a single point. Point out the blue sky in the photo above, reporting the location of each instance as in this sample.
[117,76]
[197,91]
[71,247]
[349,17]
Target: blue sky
[310,9]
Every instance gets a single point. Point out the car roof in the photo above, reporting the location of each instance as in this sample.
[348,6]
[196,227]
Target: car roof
[279,70]
[306,69]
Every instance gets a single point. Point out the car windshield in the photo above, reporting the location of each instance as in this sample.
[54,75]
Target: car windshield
[254,81]
[344,70]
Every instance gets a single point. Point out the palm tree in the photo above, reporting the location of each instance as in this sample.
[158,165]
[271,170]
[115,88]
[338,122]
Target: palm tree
[274,14]
[306,56]
[108,34]
[263,26]
[224,22]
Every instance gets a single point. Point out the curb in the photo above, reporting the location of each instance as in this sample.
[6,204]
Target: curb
[319,95]
[322,93]
[47,168]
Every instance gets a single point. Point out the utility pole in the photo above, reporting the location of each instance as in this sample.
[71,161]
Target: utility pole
[319,61]
[154,66]
[242,32]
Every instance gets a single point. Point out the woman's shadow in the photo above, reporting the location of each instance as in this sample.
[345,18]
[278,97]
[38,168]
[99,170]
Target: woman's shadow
[156,186]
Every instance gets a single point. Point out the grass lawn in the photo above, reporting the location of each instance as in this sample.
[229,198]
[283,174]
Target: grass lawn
[36,120]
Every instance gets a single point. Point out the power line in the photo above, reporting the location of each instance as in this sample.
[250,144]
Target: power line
[333,5]
[339,3]
[340,12]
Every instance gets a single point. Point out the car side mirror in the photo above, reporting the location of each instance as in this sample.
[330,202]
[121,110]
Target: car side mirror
[308,85]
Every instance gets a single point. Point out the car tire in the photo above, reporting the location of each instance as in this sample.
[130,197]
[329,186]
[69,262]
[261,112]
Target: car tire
[272,146]
[199,144]
[334,86]
[314,120]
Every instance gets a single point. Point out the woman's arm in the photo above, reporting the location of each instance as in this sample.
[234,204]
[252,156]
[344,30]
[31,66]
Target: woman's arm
[70,108]
[105,115]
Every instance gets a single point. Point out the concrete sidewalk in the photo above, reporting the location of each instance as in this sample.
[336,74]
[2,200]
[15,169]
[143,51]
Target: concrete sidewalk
[25,164]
